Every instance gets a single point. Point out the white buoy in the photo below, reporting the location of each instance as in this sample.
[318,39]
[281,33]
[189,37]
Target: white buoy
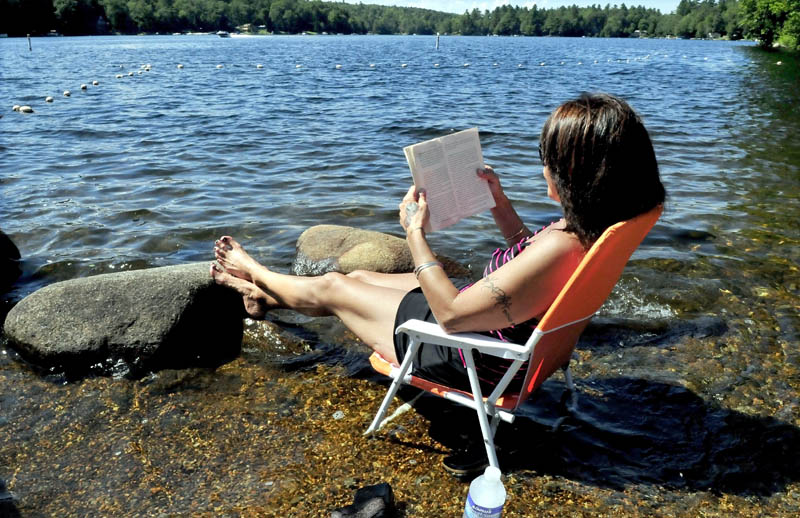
[779,63]
[580,62]
[219,66]
[25,109]
[540,64]
[338,67]
[494,64]
[436,65]
[118,76]
[83,87]
[259,66]
[139,72]
[15,107]
[95,83]
[466,65]
[298,66]
[180,66]
[130,74]
[48,99]
[67,93]
[404,65]
[372,65]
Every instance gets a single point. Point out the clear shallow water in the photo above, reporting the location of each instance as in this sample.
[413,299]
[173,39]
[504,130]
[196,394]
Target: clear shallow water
[147,170]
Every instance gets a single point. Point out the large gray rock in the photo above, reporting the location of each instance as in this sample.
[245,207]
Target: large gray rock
[334,248]
[173,316]
[9,262]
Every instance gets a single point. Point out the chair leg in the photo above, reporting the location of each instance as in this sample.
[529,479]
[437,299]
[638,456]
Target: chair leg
[396,382]
[486,430]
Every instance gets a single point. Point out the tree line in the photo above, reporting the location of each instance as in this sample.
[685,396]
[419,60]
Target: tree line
[766,20]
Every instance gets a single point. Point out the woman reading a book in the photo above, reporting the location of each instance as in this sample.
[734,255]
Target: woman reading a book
[599,164]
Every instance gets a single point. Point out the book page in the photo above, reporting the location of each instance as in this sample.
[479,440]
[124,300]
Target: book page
[445,168]
[429,169]
[464,158]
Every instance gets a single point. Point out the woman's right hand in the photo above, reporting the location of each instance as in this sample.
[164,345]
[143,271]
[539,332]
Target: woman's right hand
[488,174]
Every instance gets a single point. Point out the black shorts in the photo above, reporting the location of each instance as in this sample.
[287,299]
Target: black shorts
[432,362]
[444,364]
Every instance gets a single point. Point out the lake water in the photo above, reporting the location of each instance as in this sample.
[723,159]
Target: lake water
[149,168]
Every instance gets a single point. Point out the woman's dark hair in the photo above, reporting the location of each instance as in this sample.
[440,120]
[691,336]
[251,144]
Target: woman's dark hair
[602,162]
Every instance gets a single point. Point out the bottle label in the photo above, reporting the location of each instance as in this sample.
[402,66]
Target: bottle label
[473,510]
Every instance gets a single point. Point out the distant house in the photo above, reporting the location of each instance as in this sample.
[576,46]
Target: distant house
[714,35]
[639,34]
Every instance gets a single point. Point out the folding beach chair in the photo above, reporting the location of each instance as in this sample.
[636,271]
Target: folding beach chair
[549,347]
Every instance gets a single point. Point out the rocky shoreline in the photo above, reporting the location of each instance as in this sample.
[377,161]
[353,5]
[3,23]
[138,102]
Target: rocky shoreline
[671,420]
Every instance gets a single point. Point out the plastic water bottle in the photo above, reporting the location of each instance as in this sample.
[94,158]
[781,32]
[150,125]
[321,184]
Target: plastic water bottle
[486,496]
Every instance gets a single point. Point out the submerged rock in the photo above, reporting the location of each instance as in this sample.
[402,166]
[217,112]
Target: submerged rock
[173,316]
[334,248]
[9,262]
[370,502]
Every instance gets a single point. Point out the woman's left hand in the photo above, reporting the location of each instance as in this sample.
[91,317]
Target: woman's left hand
[419,218]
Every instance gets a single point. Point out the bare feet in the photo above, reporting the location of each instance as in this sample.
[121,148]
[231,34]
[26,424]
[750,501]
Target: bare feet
[233,259]
[254,303]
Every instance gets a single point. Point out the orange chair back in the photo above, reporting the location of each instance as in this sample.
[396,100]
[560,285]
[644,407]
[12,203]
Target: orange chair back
[584,293]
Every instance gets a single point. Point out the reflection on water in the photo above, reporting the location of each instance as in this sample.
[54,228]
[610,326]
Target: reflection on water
[688,399]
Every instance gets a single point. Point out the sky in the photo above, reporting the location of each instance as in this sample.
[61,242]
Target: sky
[459,6]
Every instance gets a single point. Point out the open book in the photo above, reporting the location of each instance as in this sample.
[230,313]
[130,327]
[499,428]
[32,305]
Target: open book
[445,168]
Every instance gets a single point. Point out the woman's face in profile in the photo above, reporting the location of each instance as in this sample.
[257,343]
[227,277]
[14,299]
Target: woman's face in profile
[552,193]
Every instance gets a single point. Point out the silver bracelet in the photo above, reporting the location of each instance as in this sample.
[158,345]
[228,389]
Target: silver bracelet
[424,266]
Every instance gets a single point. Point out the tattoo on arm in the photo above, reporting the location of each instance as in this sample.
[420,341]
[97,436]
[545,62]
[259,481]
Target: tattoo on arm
[501,299]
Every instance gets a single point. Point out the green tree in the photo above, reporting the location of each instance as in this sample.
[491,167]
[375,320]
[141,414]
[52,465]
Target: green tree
[508,23]
[18,18]
[765,19]
[76,16]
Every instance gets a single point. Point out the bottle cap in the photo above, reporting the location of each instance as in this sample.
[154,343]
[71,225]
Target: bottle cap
[492,473]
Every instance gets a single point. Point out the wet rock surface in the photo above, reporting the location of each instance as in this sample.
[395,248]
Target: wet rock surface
[154,318]
[370,502]
[334,248]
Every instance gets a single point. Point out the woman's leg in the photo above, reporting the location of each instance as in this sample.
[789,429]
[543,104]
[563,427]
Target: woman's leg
[366,309]
[398,281]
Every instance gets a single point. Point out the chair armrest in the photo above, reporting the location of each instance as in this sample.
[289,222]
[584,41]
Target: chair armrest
[431,333]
